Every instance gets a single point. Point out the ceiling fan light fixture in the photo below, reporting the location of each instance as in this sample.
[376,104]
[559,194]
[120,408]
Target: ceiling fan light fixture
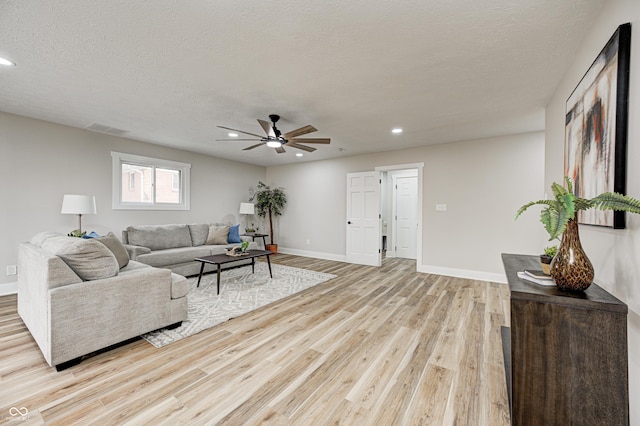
[396,130]
[233,135]
[299,154]
[274,143]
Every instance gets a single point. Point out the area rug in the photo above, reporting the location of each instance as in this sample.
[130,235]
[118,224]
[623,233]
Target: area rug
[240,292]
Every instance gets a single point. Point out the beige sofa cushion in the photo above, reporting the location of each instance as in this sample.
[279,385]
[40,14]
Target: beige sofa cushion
[119,251]
[218,234]
[162,258]
[159,237]
[89,259]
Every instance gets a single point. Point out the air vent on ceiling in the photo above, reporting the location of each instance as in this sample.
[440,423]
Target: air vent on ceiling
[95,127]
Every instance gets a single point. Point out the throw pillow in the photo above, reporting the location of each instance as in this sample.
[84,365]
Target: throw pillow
[218,235]
[234,234]
[119,251]
[89,259]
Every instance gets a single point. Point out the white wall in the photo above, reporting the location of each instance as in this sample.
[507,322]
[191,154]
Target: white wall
[615,254]
[41,161]
[483,183]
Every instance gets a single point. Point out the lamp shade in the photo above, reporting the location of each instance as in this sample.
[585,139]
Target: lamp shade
[247,208]
[79,204]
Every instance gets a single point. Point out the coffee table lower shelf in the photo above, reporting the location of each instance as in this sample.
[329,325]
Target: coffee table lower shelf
[221,259]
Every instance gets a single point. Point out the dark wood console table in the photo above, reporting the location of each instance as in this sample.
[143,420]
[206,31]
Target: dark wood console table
[568,353]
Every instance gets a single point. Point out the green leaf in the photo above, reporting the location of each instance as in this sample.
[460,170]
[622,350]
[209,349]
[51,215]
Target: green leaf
[533,203]
[582,204]
[558,190]
[555,222]
[569,184]
[615,201]
[568,203]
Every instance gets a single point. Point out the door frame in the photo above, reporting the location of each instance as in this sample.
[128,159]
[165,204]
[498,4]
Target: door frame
[420,168]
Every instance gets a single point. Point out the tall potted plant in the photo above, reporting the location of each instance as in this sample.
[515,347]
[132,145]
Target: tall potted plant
[570,268]
[269,202]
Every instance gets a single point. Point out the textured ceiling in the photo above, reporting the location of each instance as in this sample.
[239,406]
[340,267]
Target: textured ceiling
[169,72]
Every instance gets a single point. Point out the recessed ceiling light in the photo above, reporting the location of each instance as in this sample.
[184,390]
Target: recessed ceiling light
[6,62]
[233,135]
[299,154]
[396,130]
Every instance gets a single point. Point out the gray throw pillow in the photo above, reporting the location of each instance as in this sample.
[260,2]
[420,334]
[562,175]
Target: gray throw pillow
[218,235]
[89,259]
[199,233]
[119,251]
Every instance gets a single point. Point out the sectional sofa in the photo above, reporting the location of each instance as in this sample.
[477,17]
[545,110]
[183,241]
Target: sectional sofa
[175,246]
[77,296]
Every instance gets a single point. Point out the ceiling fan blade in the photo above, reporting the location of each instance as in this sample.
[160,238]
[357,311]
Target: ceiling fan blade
[302,147]
[253,146]
[266,126]
[236,139]
[311,140]
[280,150]
[240,131]
[301,131]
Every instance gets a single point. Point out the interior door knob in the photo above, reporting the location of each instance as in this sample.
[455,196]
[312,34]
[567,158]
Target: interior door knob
[349,223]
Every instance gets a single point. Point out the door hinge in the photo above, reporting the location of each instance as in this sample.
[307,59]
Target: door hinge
[379,251]
[379,215]
[380,181]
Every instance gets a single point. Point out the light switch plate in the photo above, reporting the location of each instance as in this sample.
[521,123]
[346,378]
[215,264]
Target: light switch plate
[441,207]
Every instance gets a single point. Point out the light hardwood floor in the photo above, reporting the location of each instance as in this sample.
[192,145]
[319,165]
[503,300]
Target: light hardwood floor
[375,346]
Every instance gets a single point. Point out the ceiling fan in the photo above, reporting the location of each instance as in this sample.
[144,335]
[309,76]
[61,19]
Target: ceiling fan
[275,138]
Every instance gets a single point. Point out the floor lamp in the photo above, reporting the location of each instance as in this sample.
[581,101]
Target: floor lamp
[79,204]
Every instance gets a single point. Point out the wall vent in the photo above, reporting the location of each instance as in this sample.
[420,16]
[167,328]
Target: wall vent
[100,128]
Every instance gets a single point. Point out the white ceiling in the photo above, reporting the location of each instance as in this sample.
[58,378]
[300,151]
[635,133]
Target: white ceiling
[168,71]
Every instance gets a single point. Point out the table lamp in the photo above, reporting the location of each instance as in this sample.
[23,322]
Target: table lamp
[79,204]
[247,208]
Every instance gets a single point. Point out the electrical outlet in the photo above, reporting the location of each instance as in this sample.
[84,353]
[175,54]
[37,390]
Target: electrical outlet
[12,270]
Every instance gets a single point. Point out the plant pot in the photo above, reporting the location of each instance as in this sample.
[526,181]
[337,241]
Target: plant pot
[571,269]
[545,263]
[273,248]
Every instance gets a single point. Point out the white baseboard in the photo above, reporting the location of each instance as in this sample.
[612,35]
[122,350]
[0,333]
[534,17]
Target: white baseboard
[8,288]
[463,273]
[314,254]
[427,269]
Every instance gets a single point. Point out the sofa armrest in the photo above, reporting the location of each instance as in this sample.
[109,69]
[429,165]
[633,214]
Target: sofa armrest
[135,251]
[91,315]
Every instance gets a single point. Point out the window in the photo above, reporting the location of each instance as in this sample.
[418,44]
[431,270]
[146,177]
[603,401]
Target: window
[145,183]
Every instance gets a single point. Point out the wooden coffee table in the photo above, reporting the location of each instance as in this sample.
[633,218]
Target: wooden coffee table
[221,259]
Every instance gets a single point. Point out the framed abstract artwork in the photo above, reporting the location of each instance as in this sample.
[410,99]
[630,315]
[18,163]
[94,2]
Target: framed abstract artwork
[595,142]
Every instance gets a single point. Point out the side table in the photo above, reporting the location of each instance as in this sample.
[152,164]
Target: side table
[255,235]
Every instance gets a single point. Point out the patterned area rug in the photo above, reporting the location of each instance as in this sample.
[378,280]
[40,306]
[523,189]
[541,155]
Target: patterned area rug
[240,292]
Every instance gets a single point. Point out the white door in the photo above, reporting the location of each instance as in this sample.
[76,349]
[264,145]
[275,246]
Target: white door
[406,217]
[363,218]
